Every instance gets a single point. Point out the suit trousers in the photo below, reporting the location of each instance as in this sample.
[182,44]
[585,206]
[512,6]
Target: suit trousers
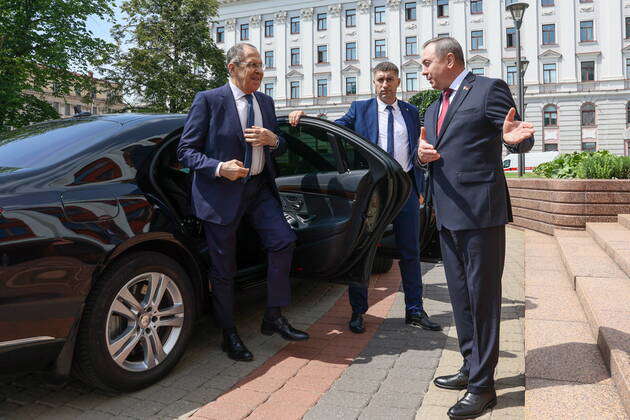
[473,263]
[265,214]
[407,234]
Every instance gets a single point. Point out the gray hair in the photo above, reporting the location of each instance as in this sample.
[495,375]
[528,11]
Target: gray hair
[386,66]
[236,53]
[446,45]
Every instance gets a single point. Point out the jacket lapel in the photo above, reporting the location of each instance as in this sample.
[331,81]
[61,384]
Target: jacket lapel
[231,113]
[265,115]
[409,123]
[434,119]
[373,120]
[462,92]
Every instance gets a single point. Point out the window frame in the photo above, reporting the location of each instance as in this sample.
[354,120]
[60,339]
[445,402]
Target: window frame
[294,25]
[379,15]
[414,80]
[269,54]
[476,2]
[352,16]
[547,109]
[354,51]
[550,71]
[295,52]
[588,31]
[510,37]
[582,69]
[322,21]
[411,11]
[478,38]
[354,83]
[592,111]
[244,29]
[269,34]
[442,8]
[322,88]
[222,33]
[411,45]
[294,84]
[322,54]
[551,41]
[511,73]
[551,3]
[382,48]
[266,89]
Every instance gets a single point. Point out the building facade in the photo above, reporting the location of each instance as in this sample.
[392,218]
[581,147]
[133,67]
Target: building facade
[319,54]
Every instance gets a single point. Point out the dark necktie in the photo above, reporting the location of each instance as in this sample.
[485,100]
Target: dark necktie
[390,130]
[250,123]
[444,108]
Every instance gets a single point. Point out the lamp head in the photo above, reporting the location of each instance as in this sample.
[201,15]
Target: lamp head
[524,64]
[517,10]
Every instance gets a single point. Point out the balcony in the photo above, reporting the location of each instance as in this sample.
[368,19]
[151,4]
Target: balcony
[587,86]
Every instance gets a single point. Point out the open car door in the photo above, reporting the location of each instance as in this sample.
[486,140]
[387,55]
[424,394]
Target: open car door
[339,192]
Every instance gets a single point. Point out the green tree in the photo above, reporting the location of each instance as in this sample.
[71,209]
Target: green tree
[44,44]
[170,54]
[423,99]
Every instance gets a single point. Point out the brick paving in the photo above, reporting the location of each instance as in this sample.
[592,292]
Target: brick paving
[382,374]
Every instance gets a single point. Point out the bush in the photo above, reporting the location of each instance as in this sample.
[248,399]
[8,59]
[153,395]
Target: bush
[423,99]
[586,165]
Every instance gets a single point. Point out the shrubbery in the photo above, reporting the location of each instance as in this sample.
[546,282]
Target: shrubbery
[586,165]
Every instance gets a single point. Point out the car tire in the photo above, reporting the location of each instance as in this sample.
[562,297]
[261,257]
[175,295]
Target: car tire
[382,264]
[156,325]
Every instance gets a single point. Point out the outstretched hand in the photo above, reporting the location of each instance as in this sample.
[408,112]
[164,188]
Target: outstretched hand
[515,131]
[426,152]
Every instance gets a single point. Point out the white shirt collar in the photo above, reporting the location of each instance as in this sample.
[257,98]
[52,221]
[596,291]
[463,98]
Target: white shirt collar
[458,80]
[382,105]
[236,91]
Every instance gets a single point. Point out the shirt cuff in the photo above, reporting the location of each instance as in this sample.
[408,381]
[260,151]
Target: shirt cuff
[217,172]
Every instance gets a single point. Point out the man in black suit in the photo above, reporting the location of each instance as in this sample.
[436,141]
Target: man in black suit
[461,144]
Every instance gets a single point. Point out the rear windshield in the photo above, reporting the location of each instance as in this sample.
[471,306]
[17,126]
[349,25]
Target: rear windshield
[42,145]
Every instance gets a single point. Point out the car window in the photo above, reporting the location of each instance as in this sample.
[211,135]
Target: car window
[354,156]
[308,151]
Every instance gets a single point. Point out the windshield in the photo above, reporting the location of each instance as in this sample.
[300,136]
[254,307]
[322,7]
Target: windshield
[41,145]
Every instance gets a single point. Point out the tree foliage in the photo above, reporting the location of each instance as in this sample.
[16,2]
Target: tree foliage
[423,99]
[42,44]
[170,54]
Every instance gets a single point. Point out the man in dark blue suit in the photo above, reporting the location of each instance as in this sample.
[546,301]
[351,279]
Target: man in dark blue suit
[393,125]
[461,143]
[229,140]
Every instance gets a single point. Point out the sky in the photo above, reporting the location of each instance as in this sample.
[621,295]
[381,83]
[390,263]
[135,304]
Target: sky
[100,27]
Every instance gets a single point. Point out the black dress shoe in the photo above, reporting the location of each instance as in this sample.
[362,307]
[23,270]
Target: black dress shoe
[472,405]
[235,348]
[422,320]
[356,324]
[281,326]
[458,381]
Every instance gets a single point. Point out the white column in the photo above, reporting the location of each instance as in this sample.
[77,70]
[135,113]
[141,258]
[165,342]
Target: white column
[307,50]
[364,26]
[230,33]
[335,49]
[280,33]
[529,40]
[609,36]
[493,39]
[565,36]
[394,41]
[458,24]
[425,31]
[254,32]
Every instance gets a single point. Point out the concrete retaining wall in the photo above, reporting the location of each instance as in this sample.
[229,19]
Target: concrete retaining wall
[545,204]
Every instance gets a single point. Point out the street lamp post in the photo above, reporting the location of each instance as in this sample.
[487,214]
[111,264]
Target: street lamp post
[518,10]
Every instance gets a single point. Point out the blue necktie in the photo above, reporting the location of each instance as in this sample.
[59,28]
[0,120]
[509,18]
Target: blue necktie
[390,130]
[250,123]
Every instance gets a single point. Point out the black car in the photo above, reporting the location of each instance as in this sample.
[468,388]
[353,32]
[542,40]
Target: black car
[103,264]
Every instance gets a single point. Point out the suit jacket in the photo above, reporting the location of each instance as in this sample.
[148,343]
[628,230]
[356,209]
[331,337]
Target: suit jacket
[363,119]
[467,183]
[213,134]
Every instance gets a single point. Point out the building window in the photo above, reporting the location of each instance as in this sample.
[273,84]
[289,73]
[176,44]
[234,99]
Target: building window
[443,35]
[269,59]
[589,146]
[510,38]
[322,54]
[546,3]
[295,56]
[410,11]
[627,113]
[550,116]
[511,75]
[244,31]
[549,34]
[476,7]
[351,85]
[479,71]
[588,71]
[550,147]
[295,90]
[627,148]
[269,89]
[220,34]
[268,28]
[379,48]
[476,40]
[379,15]
[411,45]
[588,115]
[351,18]
[295,25]
[549,73]
[322,87]
[627,27]
[586,31]
[411,82]
[67,110]
[442,8]
[322,24]
[351,50]
[627,68]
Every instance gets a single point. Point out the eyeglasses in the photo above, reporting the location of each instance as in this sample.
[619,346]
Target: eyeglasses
[256,66]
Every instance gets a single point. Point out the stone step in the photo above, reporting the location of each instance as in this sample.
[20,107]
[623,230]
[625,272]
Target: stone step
[613,238]
[603,290]
[566,375]
[624,220]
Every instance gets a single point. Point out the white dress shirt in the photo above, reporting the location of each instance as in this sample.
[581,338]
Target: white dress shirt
[455,86]
[401,139]
[258,155]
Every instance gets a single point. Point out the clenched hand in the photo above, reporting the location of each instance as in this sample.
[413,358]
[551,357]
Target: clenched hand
[260,136]
[515,132]
[233,170]
[426,152]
